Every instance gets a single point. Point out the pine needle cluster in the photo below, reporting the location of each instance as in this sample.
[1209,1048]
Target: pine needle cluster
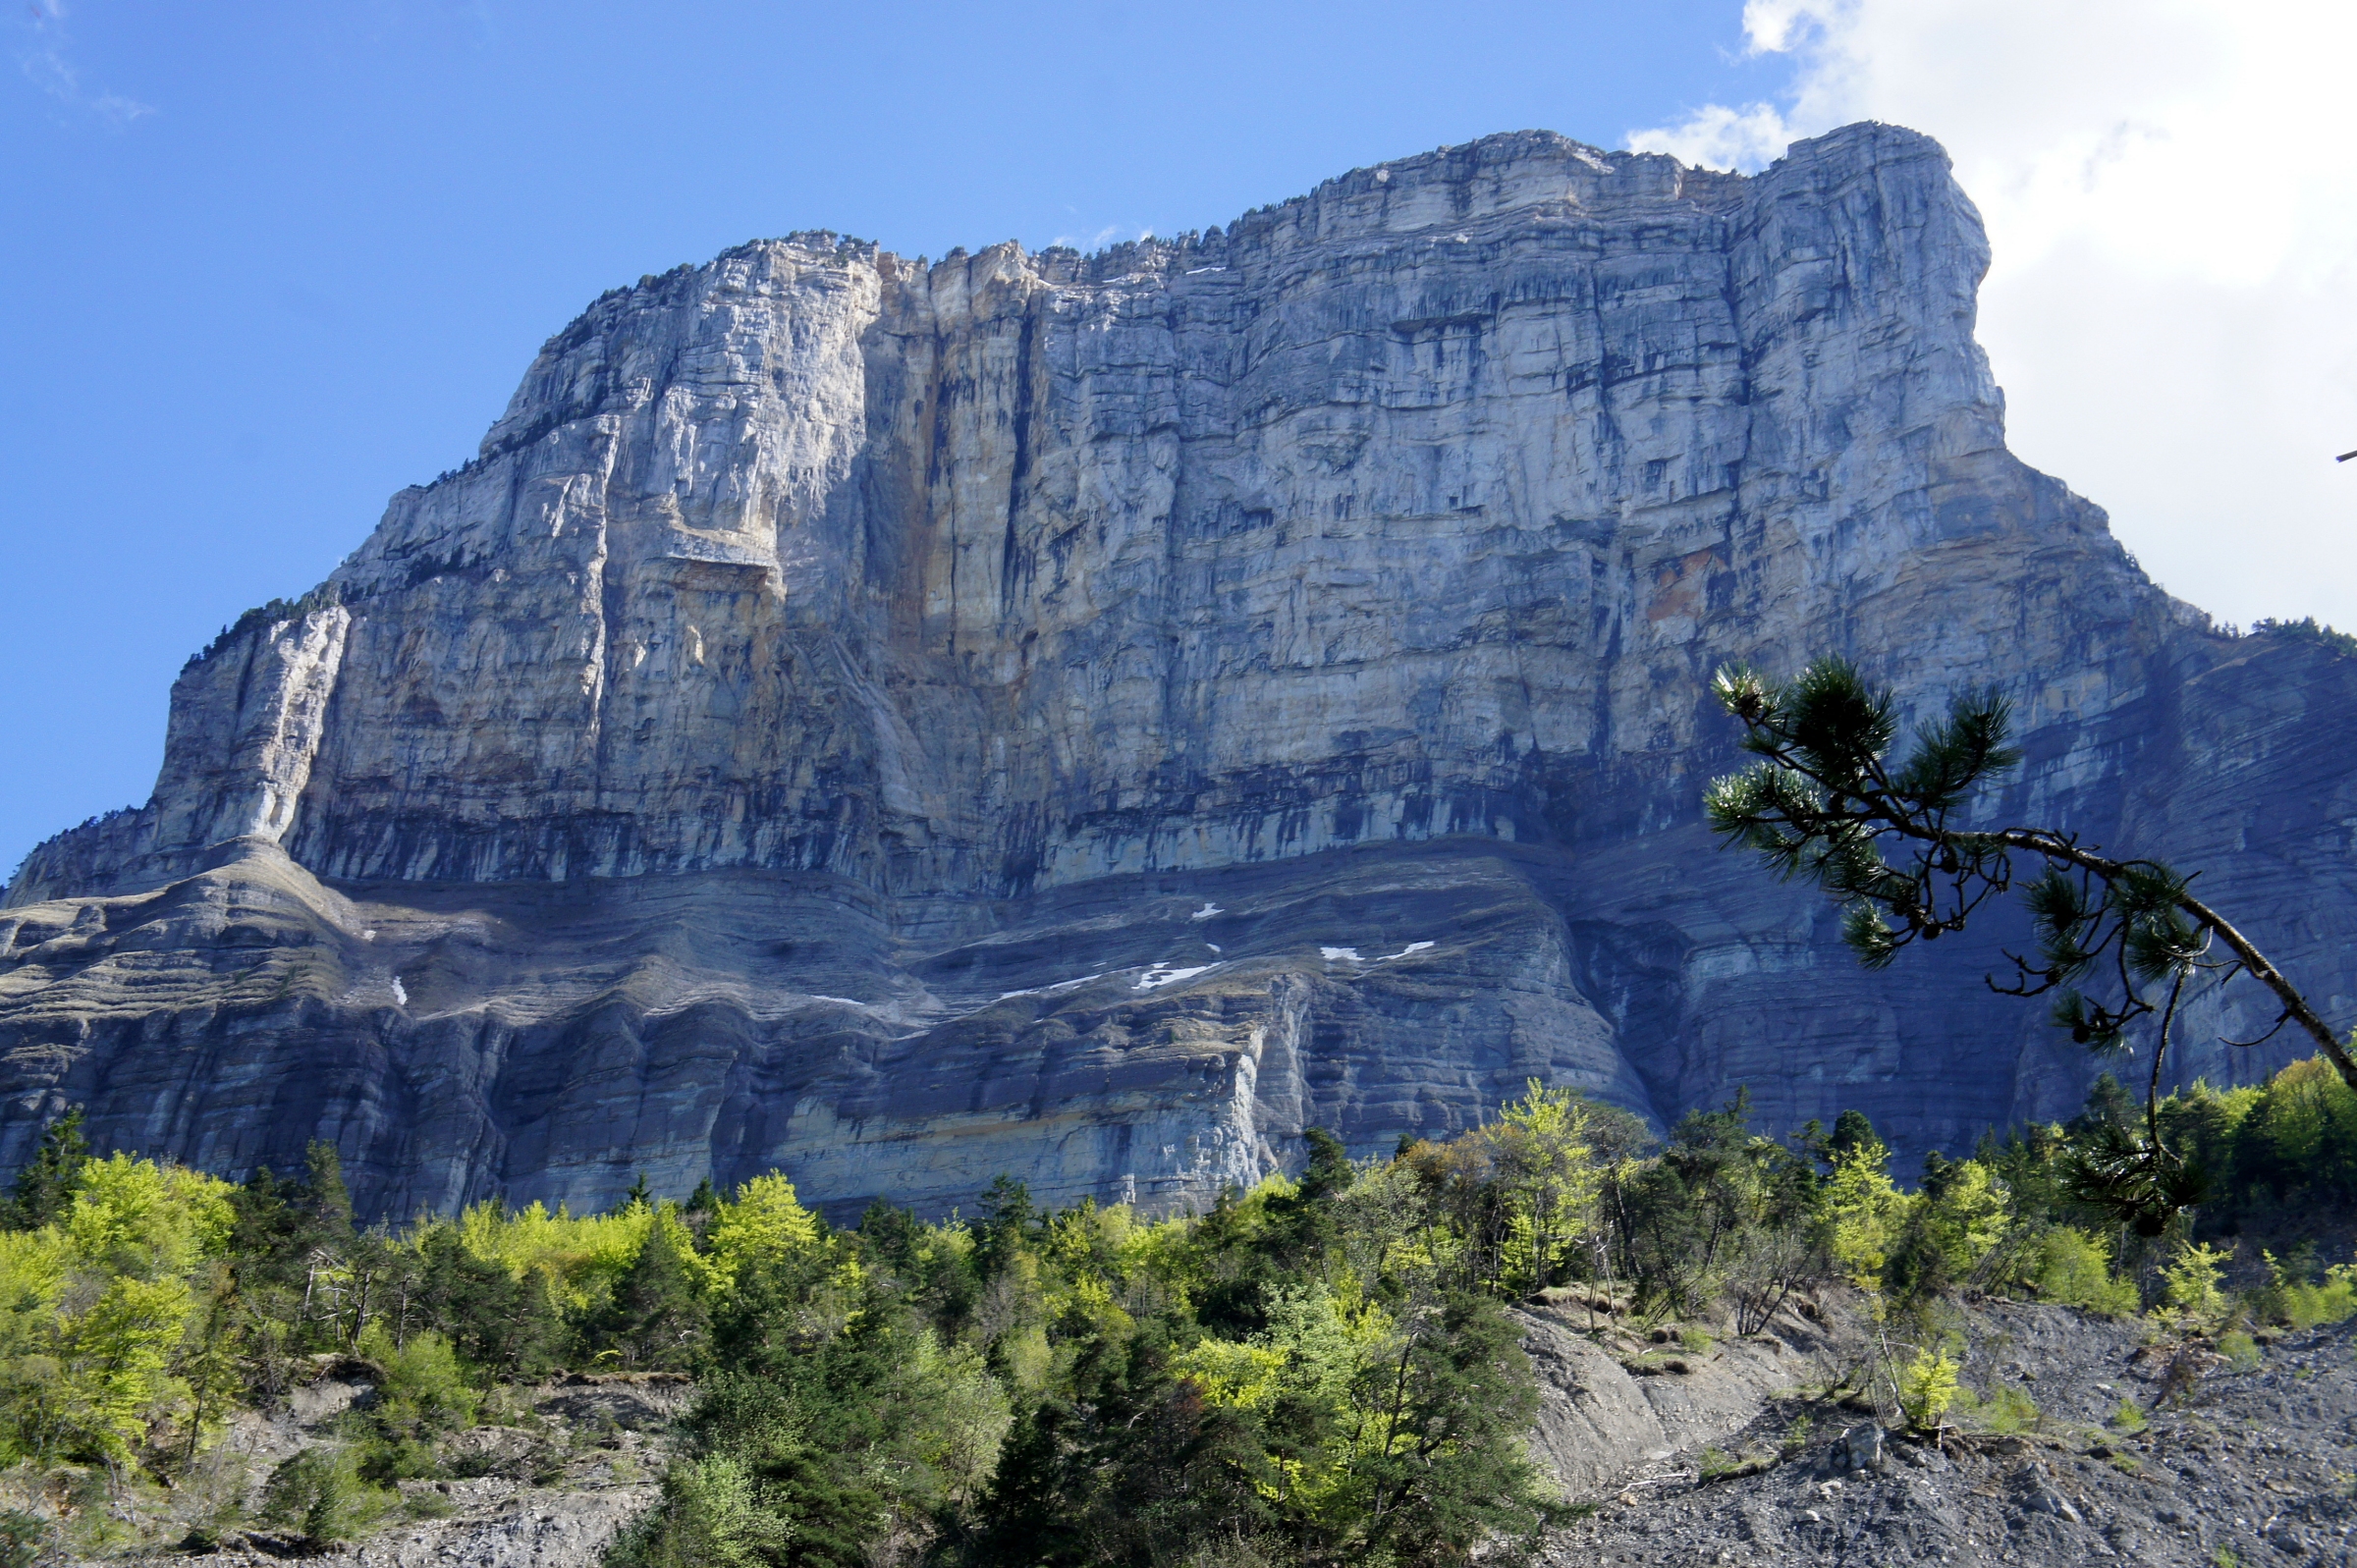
[1904,847]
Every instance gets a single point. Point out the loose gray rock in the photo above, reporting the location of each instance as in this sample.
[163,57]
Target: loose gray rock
[1861,1447]
[2276,1492]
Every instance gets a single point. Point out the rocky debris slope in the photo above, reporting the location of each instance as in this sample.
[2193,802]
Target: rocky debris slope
[2230,1466]
[1617,1406]
[1088,716]
[548,1487]
[496,1526]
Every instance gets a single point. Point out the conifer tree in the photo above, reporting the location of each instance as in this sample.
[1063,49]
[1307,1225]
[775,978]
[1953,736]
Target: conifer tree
[46,1187]
[654,1319]
[2119,941]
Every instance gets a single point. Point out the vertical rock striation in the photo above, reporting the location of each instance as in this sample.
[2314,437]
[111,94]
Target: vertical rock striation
[1090,717]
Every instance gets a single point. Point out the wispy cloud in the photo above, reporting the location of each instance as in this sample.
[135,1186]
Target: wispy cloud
[45,60]
[1112,233]
[2173,218]
[1717,136]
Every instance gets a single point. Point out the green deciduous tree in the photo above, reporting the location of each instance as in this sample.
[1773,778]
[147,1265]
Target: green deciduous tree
[97,1308]
[1550,1179]
[1863,1211]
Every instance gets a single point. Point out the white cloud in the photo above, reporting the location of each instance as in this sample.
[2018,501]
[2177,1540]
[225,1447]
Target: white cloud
[2170,190]
[1717,136]
[1112,234]
[119,111]
[44,64]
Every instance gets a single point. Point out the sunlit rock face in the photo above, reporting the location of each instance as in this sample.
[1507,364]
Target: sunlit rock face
[1089,718]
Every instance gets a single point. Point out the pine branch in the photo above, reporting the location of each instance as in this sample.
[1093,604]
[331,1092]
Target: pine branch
[1825,803]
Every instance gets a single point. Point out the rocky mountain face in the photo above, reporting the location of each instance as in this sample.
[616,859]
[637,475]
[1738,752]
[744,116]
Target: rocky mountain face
[1090,717]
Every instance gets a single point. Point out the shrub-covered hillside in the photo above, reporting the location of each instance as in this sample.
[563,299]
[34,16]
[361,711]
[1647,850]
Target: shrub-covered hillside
[1318,1371]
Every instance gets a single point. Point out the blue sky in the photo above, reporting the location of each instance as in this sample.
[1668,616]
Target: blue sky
[267,263]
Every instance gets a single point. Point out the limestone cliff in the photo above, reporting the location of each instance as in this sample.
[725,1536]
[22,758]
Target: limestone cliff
[1088,716]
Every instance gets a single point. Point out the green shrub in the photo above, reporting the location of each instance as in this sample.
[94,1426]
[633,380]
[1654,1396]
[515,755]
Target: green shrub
[2004,1409]
[2074,1270]
[712,1515]
[427,1504]
[23,1538]
[425,1393]
[320,1495]
[425,1396]
[2191,1285]
[2292,1298]
[2240,1350]
[1927,1387]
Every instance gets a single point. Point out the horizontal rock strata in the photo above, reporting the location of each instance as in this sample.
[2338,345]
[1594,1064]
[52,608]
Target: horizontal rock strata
[1090,717]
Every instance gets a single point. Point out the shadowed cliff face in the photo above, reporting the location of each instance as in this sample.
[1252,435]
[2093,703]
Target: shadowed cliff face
[1090,717]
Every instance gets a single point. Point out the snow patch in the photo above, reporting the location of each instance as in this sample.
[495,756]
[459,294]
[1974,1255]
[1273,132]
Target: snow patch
[1163,974]
[1049,991]
[1207,911]
[1350,955]
[401,998]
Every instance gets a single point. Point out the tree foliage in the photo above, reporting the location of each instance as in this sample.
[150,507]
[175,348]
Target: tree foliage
[1320,1369]
[1896,843]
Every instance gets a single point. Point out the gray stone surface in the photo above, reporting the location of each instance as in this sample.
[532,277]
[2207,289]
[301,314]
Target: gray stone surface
[1613,1411]
[2232,1467]
[1086,716]
[549,1492]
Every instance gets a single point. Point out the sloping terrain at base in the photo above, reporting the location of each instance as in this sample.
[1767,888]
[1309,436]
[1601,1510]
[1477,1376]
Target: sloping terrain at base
[2232,1467]
[575,1462]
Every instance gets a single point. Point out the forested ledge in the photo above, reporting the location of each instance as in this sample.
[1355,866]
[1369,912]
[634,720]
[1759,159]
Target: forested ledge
[1318,1371]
